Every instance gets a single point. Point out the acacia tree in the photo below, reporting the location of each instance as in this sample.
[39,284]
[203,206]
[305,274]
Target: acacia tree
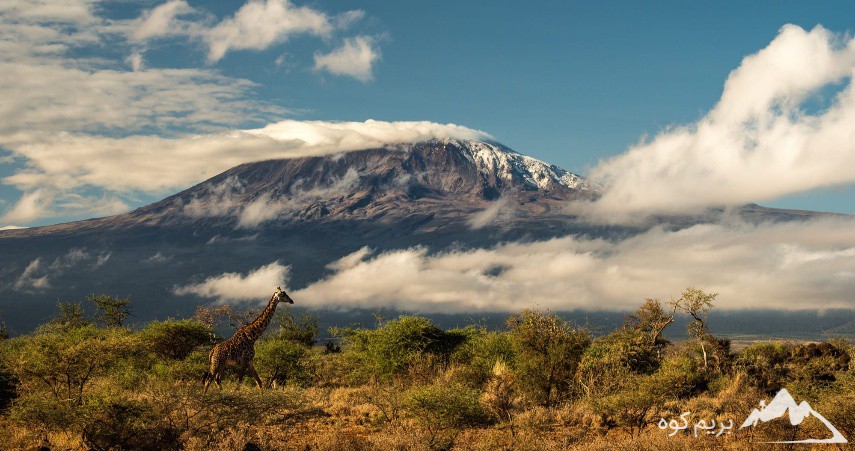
[697,304]
[112,311]
[651,320]
[548,352]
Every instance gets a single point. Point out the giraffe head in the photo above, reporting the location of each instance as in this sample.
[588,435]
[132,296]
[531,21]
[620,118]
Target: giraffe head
[281,296]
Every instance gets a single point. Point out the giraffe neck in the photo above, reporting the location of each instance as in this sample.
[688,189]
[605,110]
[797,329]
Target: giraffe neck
[257,327]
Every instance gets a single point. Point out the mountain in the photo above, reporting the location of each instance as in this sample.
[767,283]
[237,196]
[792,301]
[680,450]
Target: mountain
[305,212]
[783,404]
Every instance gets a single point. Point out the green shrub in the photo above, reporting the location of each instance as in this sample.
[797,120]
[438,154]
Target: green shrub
[279,361]
[443,407]
[548,351]
[622,351]
[302,328]
[176,339]
[482,350]
[388,350]
[65,362]
[765,365]
[126,424]
[630,403]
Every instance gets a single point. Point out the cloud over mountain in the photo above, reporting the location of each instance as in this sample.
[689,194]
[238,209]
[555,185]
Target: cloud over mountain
[61,105]
[788,266]
[255,285]
[765,137]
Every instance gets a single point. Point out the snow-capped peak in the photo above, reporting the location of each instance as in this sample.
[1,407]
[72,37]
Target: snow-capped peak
[505,163]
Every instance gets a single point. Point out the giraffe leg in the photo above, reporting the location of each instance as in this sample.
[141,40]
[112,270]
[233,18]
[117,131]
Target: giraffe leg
[254,375]
[213,376]
[241,374]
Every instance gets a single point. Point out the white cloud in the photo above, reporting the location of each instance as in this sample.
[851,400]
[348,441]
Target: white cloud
[33,277]
[782,266]
[162,21]
[226,199]
[46,88]
[266,208]
[51,96]
[348,18]
[257,25]
[355,58]
[136,61]
[759,142]
[497,210]
[257,285]
[56,165]
[50,202]
[36,276]
[157,258]
[12,227]
[258,211]
[155,164]
[71,119]
[219,239]
[32,205]
[102,258]
[260,24]
[217,200]
[61,11]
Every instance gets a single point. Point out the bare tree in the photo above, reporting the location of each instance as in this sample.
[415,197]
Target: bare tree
[697,304]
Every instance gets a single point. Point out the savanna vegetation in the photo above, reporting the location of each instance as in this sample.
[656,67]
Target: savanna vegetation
[85,381]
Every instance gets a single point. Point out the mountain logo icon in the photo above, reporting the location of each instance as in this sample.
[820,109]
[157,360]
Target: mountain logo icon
[783,404]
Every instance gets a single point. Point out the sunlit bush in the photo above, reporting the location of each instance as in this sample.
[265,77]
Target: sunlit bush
[176,339]
[387,351]
[547,350]
[280,361]
[442,408]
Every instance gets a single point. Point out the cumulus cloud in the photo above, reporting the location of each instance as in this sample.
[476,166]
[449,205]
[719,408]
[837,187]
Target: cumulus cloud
[760,141]
[58,102]
[256,25]
[259,24]
[355,58]
[47,87]
[782,266]
[257,285]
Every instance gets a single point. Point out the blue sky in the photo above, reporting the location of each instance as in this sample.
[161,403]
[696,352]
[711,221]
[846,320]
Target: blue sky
[567,82]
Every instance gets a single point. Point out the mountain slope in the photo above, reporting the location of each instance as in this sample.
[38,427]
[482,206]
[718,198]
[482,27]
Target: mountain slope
[306,213]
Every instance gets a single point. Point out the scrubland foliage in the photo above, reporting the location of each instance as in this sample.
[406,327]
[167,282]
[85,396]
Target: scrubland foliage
[79,382]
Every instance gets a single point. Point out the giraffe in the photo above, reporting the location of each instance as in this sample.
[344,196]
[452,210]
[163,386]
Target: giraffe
[239,350]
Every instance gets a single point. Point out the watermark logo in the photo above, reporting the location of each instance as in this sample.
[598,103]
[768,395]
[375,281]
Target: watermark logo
[784,404]
[704,426]
[781,405]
